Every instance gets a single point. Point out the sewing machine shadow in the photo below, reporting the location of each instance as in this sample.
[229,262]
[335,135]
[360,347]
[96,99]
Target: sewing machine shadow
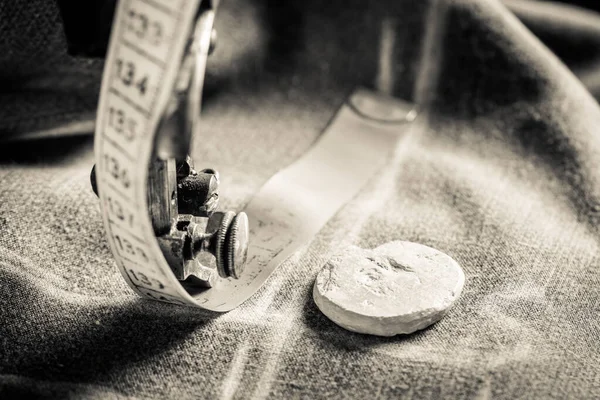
[111,341]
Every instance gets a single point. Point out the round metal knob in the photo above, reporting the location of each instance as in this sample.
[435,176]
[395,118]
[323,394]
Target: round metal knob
[226,238]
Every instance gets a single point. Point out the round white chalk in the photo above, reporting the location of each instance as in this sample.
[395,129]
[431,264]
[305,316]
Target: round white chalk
[397,288]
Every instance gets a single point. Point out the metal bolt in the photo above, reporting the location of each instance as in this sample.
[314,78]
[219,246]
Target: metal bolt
[199,232]
[198,193]
[226,238]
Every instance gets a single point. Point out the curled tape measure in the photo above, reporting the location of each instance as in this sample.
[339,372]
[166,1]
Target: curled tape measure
[152,46]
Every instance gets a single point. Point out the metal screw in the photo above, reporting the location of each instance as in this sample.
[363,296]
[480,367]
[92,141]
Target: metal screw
[226,238]
[223,235]
[198,193]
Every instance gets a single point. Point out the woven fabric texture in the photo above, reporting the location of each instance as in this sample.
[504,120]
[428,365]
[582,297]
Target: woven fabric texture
[501,173]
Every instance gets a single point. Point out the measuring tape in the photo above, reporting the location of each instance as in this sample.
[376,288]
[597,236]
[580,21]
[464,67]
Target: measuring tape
[148,42]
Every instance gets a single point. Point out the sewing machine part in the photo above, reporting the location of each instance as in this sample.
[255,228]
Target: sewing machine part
[177,194]
[397,288]
[159,213]
[167,237]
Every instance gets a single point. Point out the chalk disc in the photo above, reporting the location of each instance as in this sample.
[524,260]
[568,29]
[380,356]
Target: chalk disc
[397,288]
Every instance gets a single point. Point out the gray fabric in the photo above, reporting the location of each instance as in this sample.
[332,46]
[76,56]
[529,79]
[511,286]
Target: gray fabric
[41,86]
[501,175]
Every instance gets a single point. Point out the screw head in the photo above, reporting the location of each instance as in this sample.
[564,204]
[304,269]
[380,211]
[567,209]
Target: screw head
[198,194]
[221,245]
[226,237]
[237,245]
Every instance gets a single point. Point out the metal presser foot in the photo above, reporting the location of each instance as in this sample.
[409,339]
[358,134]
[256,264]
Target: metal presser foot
[197,241]
[202,242]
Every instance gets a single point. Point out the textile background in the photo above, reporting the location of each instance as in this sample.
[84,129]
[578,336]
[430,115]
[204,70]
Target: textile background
[502,175]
